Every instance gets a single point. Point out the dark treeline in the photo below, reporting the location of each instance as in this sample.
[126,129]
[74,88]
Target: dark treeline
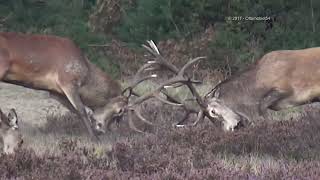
[288,24]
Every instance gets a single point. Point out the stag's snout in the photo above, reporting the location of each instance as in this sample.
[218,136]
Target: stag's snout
[113,111]
[231,119]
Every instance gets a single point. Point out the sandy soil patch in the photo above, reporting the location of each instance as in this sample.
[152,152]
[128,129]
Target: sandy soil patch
[33,106]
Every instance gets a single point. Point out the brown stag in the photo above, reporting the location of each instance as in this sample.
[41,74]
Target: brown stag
[57,65]
[9,131]
[279,80]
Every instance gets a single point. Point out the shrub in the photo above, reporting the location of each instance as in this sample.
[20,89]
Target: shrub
[152,19]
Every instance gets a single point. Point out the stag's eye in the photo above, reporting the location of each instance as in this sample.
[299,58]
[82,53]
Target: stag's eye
[213,113]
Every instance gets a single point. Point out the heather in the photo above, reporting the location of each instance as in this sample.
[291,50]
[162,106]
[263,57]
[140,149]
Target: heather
[268,150]
[283,146]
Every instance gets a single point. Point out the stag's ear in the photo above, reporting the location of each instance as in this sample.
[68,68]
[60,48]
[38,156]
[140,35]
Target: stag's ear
[2,116]
[210,93]
[217,93]
[13,119]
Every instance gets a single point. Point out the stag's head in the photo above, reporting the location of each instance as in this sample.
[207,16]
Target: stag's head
[116,107]
[218,108]
[12,138]
[111,112]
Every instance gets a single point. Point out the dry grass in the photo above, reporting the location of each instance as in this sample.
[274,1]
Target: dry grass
[269,150]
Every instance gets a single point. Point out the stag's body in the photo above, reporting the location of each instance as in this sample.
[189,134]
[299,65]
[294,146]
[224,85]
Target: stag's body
[294,73]
[56,65]
[51,63]
[279,80]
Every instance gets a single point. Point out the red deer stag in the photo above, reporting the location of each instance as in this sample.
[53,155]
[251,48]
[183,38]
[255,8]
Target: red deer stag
[57,65]
[281,79]
[9,131]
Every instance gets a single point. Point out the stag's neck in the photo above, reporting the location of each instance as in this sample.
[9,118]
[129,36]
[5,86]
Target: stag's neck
[98,88]
[242,94]
[242,89]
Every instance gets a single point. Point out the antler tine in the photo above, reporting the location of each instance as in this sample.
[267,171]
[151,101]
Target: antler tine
[182,71]
[200,117]
[139,115]
[131,124]
[137,78]
[157,90]
[161,61]
[143,68]
[157,96]
[188,110]
[153,46]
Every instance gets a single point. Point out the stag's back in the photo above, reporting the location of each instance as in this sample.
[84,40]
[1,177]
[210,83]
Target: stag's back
[40,61]
[50,63]
[294,71]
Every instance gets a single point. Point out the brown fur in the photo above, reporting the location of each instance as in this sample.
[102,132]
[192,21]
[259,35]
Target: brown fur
[57,65]
[47,62]
[296,72]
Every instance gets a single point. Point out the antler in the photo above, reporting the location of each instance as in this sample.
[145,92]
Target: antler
[154,94]
[178,80]
[136,81]
[137,78]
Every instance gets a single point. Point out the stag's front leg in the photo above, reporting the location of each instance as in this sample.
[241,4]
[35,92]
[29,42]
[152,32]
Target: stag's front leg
[74,98]
[63,100]
[66,103]
[270,99]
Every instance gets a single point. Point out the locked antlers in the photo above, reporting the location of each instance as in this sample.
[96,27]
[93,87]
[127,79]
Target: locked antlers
[180,79]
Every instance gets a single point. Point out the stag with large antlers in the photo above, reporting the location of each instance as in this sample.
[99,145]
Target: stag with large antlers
[57,65]
[280,80]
